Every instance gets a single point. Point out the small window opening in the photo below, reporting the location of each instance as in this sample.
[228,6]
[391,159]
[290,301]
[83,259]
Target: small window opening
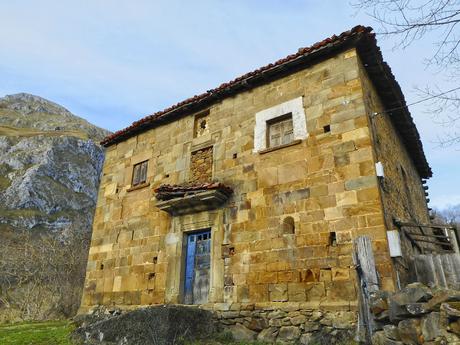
[332,239]
[139,173]
[151,276]
[235,155]
[201,124]
[102,266]
[288,225]
[155,259]
[231,251]
[327,128]
[166,175]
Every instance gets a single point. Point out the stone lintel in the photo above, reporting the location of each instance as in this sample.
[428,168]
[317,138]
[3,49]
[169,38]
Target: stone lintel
[198,202]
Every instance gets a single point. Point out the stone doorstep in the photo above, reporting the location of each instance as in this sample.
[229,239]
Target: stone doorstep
[202,201]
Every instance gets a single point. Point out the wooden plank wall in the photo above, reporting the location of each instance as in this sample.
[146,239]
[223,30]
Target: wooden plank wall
[438,270]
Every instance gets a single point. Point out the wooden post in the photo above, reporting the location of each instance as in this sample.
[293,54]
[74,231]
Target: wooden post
[363,258]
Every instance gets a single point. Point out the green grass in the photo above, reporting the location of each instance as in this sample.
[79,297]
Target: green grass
[4,182]
[36,333]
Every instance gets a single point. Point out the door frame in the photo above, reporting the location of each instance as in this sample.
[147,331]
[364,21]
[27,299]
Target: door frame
[187,235]
[176,247]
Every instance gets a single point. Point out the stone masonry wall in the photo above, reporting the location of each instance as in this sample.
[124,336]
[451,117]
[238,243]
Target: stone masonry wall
[300,323]
[201,166]
[325,183]
[401,189]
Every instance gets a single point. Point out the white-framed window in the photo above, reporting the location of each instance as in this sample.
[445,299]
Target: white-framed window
[280,125]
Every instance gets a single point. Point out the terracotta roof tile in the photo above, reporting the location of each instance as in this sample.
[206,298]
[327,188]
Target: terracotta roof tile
[167,191]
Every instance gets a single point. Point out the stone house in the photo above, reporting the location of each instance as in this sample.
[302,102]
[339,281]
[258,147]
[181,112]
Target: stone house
[248,197]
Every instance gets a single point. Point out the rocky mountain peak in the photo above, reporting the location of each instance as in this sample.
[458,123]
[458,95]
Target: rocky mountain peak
[50,164]
[26,111]
[26,103]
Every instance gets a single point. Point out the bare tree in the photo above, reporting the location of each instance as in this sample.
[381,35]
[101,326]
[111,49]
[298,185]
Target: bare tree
[41,277]
[438,21]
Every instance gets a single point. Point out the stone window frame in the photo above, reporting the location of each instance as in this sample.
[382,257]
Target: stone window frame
[264,117]
[196,120]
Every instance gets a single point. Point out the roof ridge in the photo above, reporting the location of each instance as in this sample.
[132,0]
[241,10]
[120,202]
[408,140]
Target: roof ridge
[346,35]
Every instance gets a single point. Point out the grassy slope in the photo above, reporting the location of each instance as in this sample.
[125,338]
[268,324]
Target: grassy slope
[37,333]
[57,333]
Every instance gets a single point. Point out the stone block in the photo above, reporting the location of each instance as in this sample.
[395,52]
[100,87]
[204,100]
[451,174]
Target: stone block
[325,275]
[431,327]
[288,334]
[267,177]
[315,291]
[268,335]
[278,292]
[410,331]
[258,293]
[297,320]
[296,292]
[346,198]
[306,338]
[340,273]
[391,332]
[241,333]
[412,294]
[356,134]
[292,172]
[341,291]
[361,183]
[332,213]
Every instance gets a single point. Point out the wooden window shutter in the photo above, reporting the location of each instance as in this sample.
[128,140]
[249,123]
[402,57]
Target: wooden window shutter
[281,131]
[288,131]
[136,174]
[143,173]
[274,135]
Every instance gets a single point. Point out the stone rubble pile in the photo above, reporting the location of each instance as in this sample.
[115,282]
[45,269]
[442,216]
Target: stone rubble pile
[416,315]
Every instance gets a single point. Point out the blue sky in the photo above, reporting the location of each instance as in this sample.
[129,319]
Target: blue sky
[112,62]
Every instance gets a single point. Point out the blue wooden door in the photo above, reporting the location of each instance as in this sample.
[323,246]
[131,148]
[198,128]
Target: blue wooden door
[197,267]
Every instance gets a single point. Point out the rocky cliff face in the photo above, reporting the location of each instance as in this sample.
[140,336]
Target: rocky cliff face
[50,164]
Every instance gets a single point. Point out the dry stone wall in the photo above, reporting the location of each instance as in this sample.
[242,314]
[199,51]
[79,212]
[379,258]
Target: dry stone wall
[325,183]
[289,324]
[201,166]
[416,315]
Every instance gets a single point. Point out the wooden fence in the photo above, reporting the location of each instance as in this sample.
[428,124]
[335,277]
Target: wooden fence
[438,270]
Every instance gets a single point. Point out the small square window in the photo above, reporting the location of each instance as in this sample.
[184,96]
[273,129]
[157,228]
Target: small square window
[280,131]
[201,126]
[139,173]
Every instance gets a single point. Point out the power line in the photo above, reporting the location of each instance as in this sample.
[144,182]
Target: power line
[416,102]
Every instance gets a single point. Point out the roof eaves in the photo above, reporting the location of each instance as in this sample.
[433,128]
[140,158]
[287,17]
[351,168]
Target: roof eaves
[243,82]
